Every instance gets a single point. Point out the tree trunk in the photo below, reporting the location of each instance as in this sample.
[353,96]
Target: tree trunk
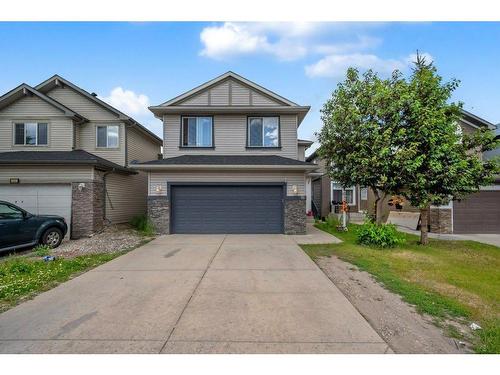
[424,215]
[378,206]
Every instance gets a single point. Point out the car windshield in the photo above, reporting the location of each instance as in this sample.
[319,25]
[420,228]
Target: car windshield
[8,212]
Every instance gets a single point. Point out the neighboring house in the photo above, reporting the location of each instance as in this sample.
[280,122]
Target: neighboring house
[327,193]
[478,213]
[64,151]
[232,161]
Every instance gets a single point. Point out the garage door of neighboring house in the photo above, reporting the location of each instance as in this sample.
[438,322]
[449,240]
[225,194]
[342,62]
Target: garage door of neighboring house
[40,199]
[226,209]
[479,213]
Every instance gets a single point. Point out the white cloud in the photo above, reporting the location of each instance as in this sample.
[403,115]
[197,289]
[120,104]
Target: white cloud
[412,58]
[336,65]
[283,40]
[128,101]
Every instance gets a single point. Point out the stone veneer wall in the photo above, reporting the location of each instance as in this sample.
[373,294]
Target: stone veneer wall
[159,213]
[440,220]
[87,208]
[295,215]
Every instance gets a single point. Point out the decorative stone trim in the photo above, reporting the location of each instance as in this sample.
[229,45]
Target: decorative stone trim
[440,220]
[295,215]
[87,208]
[159,213]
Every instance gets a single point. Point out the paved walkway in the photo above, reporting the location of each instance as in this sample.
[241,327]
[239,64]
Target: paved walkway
[314,236]
[194,294]
[491,239]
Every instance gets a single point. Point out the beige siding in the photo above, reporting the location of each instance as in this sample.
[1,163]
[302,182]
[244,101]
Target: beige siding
[88,142]
[46,174]
[140,147]
[219,95]
[31,106]
[240,94]
[258,99]
[60,133]
[230,92]
[126,196]
[291,178]
[230,133]
[80,104]
[201,99]
[301,153]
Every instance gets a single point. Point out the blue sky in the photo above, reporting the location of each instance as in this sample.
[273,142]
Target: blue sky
[133,65]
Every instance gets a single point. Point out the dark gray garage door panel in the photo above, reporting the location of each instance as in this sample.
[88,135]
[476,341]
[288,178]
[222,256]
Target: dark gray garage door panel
[479,213]
[227,209]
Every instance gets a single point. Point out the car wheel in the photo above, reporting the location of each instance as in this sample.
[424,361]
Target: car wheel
[52,237]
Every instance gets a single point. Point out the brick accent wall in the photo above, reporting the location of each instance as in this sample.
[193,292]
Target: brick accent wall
[295,215]
[159,213]
[440,220]
[87,208]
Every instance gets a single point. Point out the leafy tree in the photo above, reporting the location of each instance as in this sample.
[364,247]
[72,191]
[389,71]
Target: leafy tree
[357,137]
[437,162]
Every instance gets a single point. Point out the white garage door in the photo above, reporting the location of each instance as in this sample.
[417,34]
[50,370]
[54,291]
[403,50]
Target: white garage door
[40,199]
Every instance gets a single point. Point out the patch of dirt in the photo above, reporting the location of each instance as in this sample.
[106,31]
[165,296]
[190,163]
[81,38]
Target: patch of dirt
[397,322]
[111,239]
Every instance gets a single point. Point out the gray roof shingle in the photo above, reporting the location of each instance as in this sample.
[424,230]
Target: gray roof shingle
[227,160]
[59,157]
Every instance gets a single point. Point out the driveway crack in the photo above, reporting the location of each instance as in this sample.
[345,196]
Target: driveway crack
[192,294]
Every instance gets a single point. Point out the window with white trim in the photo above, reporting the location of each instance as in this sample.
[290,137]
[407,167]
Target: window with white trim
[263,132]
[336,194]
[31,133]
[107,136]
[197,131]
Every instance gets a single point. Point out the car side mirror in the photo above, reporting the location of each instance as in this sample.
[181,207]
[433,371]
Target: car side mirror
[26,215]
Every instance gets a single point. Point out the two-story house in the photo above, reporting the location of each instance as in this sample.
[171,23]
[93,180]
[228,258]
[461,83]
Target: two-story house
[64,151]
[478,213]
[232,161]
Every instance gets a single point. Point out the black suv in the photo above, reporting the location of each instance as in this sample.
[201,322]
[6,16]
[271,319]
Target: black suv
[19,228]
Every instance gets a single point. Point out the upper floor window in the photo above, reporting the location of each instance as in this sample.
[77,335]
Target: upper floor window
[107,136]
[197,131]
[263,132]
[31,134]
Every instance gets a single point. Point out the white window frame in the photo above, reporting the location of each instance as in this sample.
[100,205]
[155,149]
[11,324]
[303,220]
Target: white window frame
[37,123]
[250,118]
[353,188]
[197,124]
[107,136]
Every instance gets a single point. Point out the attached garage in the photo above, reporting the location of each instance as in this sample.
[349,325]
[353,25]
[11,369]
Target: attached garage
[227,208]
[479,213]
[40,199]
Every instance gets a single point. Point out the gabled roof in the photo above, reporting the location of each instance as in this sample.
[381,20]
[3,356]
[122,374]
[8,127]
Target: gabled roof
[222,77]
[24,89]
[75,157]
[476,121]
[57,80]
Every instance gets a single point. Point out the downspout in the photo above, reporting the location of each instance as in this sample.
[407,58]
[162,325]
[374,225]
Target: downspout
[105,191]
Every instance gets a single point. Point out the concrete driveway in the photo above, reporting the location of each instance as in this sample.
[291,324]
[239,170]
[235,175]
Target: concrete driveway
[194,294]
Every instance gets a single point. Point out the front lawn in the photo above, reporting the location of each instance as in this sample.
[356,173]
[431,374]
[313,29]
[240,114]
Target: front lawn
[22,277]
[446,279]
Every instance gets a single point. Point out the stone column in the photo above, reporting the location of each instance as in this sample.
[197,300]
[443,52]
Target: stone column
[440,220]
[295,215]
[87,208]
[159,213]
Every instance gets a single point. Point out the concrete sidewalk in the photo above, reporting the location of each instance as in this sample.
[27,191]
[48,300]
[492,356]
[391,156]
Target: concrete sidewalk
[194,294]
[487,238]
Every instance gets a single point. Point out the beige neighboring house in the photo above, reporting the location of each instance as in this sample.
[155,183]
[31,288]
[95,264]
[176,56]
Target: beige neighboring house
[478,213]
[64,151]
[232,161]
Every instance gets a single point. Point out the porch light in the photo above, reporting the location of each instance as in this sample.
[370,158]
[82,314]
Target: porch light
[158,189]
[295,189]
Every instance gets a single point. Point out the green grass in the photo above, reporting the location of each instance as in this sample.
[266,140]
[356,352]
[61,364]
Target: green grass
[446,279]
[23,277]
[143,225]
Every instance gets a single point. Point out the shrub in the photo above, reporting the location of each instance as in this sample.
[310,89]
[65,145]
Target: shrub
[142,224]
[42,250]
[381,235]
